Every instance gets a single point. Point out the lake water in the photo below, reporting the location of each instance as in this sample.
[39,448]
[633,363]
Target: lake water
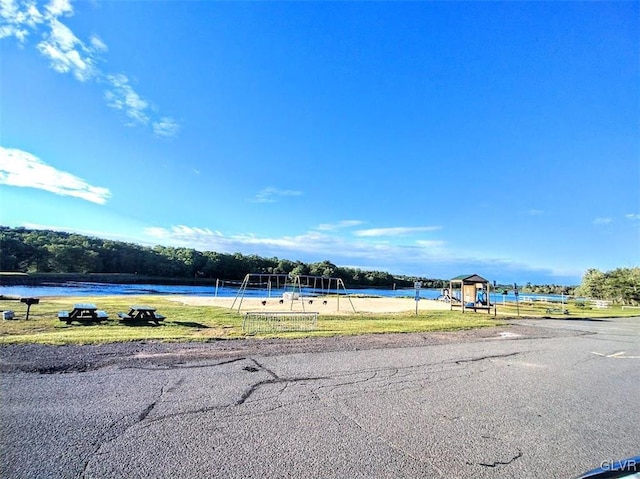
[73,288]
[110,289]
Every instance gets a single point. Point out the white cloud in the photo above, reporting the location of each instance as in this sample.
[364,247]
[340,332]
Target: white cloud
[271,194]
[166,127]
[59,7]
[632,216]
[310,243]
[121,96]
[82,231]
[396,231]
[602,221]
[17,19]
[97,44]
[534,212]
[424,257]
[183,233]
[69,54]
[339,225]
[430,243]
[22,169]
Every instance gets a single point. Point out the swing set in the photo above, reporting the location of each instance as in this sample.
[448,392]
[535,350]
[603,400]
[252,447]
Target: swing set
[290,288]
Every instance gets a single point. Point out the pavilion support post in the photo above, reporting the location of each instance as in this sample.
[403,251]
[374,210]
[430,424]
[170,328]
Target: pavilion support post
[462,301]
[451,295]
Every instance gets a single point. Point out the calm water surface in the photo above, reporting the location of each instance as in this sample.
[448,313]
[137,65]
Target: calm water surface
[73,288]
[111,289]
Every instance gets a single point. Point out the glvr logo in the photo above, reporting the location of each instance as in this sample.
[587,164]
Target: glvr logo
[625,465]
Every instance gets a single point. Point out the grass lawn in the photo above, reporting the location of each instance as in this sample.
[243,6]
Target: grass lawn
[575,312]
[201,323]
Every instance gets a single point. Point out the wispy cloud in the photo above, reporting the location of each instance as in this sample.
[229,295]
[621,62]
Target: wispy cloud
[431,243]
[396,231]
[67,53]
[339,225]
[424,257]
[632,216]
[19,168]
[82,231]
[18,20]
[272,195]
[184,234]
[535,212]
[312,242]
[123,97]
[602,221]
[166,127]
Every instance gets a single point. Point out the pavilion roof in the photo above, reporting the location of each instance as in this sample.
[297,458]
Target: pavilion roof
[469,278]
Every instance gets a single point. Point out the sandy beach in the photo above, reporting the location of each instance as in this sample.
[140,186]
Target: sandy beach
[327,305]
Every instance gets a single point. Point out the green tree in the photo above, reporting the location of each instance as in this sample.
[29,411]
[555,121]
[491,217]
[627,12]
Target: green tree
[592,285]
[621,285]
[323,268]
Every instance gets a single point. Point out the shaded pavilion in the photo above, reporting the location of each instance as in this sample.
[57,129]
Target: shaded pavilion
[470,291]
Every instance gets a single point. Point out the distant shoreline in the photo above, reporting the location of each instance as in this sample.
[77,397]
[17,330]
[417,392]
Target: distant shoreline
[42,279]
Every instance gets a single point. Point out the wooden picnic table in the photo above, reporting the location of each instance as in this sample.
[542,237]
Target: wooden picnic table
[141,313]
[83,312]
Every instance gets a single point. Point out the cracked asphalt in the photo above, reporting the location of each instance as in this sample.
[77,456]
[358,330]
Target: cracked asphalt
[535,398]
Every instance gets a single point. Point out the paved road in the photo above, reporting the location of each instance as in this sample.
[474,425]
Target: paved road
[538,398]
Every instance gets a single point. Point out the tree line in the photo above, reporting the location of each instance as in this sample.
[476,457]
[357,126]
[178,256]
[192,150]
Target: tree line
[621,285]
[548,289]
[44,251]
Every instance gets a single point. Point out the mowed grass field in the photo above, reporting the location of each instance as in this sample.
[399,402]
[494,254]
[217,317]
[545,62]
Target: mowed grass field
[202,323]
[556,310]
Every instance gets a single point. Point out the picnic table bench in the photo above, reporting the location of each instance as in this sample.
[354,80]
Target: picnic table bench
[557,311]
[83,313]
[478,306]
[141,313]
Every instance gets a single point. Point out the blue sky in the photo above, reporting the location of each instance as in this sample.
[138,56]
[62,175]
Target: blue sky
[419,138]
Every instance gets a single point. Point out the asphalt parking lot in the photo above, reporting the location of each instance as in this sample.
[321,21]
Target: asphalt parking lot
[536,398]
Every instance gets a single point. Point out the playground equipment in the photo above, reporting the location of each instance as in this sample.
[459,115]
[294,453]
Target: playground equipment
[292,288]
[446,296]
[472,291]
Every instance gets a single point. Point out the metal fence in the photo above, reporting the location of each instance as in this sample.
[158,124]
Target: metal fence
[266,322]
